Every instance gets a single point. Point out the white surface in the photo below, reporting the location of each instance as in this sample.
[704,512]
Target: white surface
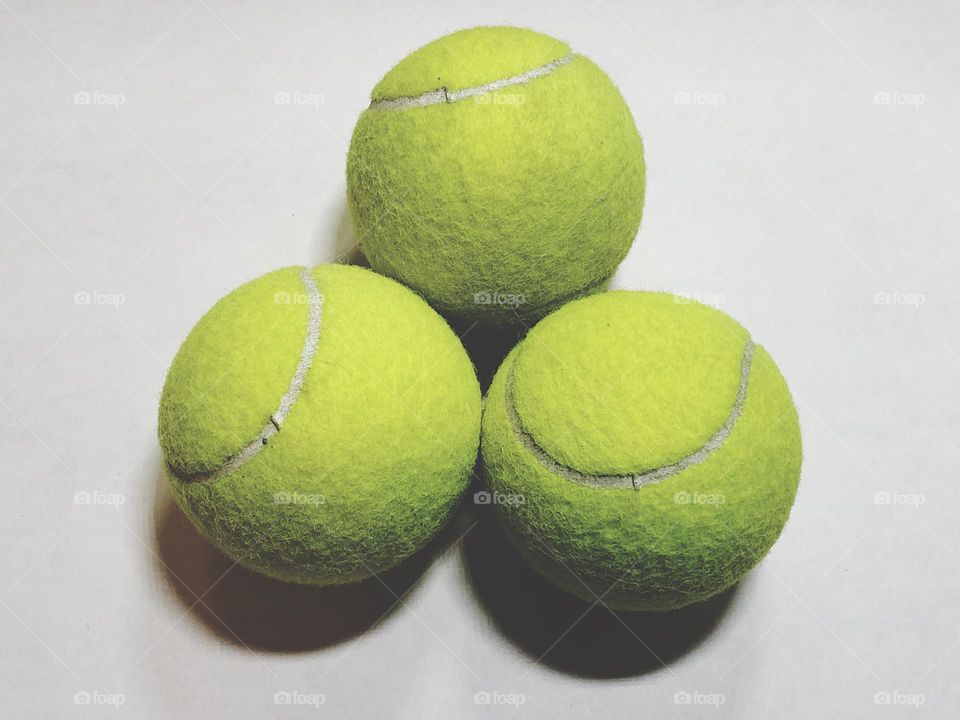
[783,190]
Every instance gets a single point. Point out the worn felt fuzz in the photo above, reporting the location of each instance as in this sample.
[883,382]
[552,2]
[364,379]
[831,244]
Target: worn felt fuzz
[373,455]
[625,382]
[501,206]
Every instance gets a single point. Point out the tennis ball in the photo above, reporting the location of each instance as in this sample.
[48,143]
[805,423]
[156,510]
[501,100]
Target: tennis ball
[497,173]
[641,450]
[319,426]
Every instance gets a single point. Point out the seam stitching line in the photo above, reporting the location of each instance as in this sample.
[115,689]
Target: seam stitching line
[289,399]
[634,480]
[442,96]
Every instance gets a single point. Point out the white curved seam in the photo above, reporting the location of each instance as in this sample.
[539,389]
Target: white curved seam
[634,480]
[442,95]
[289,399]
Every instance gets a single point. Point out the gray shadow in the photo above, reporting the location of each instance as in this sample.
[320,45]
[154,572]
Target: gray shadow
[565,633]
[244,608]
[337,242]
[487,347]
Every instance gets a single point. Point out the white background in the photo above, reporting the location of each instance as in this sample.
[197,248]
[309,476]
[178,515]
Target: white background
[803,175]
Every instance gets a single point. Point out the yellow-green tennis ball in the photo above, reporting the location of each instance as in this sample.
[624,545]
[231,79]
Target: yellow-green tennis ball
[319,426]
[641,450]
[498,173]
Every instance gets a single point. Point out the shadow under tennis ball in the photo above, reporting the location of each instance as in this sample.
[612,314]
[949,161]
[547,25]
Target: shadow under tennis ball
[487,347]
[257,612]
[563,632]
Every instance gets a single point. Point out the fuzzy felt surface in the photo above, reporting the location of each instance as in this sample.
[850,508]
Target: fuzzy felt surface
[670,543]
[614,394]
[499,207]
[205,381]
[371,459]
